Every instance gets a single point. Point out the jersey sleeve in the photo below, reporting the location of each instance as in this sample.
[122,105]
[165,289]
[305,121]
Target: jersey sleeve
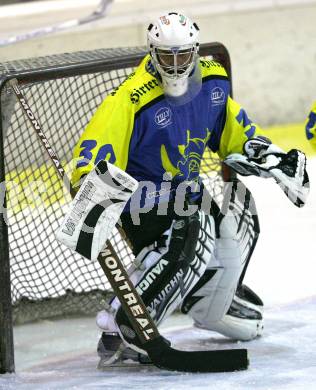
[310,125]
[106,137]
[238,128]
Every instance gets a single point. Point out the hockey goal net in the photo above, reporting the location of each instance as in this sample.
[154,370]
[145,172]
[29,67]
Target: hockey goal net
[47,279]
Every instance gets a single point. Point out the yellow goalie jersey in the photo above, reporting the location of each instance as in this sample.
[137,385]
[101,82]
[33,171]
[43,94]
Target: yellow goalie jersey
[138,130]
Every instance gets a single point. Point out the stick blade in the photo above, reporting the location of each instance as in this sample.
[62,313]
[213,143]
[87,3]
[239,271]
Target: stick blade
[165,357]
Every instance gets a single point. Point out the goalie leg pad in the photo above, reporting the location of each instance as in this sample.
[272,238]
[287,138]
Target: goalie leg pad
[244,319]
[237,231]
[171,271]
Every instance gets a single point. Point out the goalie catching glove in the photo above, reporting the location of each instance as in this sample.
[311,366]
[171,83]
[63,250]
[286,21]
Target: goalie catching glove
[264,159]
[96,209]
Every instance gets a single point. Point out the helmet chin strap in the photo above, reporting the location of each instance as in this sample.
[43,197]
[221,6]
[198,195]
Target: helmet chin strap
[175,87]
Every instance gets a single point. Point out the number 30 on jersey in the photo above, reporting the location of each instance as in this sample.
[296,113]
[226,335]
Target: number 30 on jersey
[105,152]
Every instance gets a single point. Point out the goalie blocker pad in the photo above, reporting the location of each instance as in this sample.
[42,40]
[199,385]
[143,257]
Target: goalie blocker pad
[95,210]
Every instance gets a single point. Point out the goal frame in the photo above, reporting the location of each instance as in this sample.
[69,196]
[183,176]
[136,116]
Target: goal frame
[51,68]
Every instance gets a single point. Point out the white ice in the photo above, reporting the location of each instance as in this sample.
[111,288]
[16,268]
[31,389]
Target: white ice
[61,354]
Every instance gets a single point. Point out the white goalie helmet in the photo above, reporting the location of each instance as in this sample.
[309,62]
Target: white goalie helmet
[173,45]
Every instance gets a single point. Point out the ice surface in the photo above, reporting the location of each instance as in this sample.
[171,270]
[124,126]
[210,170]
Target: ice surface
[284,358]
[61,354]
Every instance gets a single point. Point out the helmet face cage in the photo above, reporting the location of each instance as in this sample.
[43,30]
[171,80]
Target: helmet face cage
[174,62]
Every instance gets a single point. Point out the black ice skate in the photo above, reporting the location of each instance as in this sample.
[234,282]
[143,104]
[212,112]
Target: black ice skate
[114,353]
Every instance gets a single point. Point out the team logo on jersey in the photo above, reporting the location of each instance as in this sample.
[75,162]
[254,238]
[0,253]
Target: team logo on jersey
[163,117]
[185,163]
[217,96]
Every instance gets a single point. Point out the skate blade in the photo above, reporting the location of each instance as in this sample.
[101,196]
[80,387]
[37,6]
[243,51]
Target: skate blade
[125,365]
[118,362]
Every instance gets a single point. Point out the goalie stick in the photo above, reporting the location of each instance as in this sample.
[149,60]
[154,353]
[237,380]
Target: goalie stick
[158,348]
